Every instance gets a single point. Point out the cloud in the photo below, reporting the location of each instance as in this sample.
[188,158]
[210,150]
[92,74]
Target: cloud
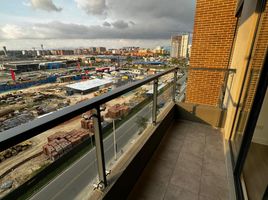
[92,7]
[120,24]
[79,43]
[154,20]
[107,24]
[10,31]
[178,12]
[46,5]
[132,23]
[27,3]
[59,30]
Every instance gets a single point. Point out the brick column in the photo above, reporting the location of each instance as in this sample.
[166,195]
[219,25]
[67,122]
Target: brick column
[214,28]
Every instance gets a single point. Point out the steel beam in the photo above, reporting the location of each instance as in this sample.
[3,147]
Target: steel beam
[155,94]
[175,86]
[99,147]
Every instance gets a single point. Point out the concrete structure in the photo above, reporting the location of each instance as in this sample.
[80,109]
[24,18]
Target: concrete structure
[92,49]
[62,52]
[189,50]
[29,53]
[149,63]
[28,66]
[52,65]
[159,50]
[100,49]
[184,46]
[23,66]
[179,46]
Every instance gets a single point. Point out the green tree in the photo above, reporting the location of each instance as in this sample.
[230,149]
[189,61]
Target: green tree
[129,59]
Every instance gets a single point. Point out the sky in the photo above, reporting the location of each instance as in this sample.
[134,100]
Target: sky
[25,24]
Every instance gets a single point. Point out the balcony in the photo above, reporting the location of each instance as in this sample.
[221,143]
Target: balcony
[162,149]
[188,164]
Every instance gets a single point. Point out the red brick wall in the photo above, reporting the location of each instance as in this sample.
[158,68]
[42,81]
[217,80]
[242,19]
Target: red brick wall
[258,56]
[213,34]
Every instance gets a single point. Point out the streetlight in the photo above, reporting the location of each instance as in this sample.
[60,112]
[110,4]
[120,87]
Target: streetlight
[115,145]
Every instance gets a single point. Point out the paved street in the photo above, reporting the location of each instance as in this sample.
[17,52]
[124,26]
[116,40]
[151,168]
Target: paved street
[68,184]
[78,176]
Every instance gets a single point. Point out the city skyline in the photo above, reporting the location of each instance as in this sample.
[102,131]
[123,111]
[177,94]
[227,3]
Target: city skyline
[80,23]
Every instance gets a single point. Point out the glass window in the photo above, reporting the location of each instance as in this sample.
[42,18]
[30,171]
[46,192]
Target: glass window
[255,171]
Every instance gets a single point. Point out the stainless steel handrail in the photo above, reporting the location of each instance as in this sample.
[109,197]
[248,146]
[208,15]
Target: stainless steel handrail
[28,130]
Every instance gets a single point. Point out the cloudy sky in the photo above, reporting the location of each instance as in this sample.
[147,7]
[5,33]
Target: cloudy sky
[82,23]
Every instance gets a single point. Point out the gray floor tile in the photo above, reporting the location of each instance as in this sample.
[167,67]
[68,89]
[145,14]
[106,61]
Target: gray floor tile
[214,187]
[214,169]
[188,164]
[177,193]
[186,180]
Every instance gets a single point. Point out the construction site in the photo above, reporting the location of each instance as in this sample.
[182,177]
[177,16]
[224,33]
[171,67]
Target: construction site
[19,106]
[21,162]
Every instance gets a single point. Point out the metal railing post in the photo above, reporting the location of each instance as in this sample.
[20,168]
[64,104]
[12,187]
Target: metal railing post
[99,146]
[155,94]
[175,86]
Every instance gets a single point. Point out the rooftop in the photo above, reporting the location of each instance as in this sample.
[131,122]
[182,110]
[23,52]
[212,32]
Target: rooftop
[90,84]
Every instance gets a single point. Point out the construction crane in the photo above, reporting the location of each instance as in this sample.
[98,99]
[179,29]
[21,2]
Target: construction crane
[5,50]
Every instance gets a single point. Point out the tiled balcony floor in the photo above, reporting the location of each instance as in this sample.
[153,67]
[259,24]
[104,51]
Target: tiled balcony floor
[188,164]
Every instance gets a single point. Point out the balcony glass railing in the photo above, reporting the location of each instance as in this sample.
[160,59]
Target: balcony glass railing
[67,150]
[64,151]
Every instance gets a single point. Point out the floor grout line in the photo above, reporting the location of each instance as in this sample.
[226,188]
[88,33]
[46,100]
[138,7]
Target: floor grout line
[185,130]
[173,169]
[202,166]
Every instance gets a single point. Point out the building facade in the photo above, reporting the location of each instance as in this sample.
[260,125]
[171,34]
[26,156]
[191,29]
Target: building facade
[228,70]
[213,34]
[179,46]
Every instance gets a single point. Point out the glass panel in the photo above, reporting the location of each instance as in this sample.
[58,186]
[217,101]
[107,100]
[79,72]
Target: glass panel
[181,85]
[244,109]
[124,120]
[30,166]
[255,171]
[165,91]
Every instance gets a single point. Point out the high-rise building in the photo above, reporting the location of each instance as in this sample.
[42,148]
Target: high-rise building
[198,149]
[179,46]
[175,46]
[100,49]
[189,50]
[92,49]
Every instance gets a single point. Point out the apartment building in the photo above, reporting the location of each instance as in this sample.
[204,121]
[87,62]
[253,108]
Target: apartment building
[179,46]
[227,60]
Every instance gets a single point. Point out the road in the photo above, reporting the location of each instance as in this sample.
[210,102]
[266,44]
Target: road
[79,175]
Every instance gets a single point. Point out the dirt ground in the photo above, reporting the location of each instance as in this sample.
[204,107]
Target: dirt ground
[24,172]
[20,174]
